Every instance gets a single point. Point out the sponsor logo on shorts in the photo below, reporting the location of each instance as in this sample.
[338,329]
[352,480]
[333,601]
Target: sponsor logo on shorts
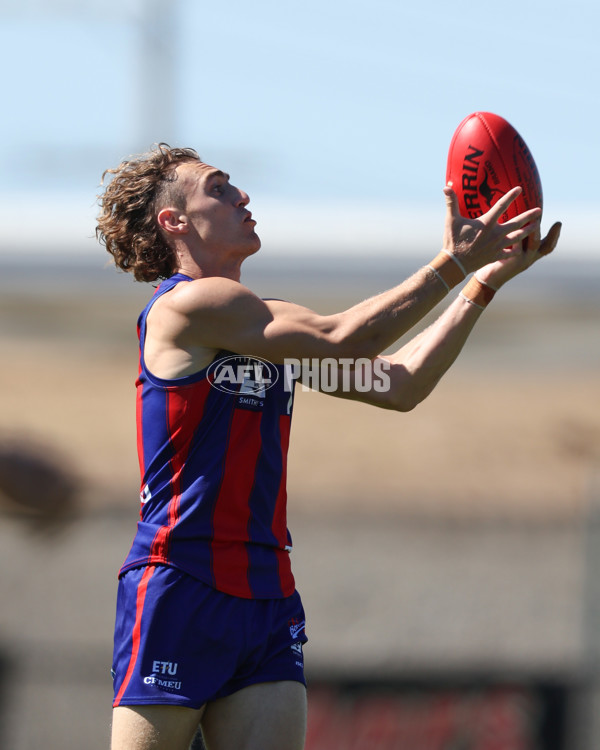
[168,685]
[164,667]
[162,671]
[297,652]
[296,627]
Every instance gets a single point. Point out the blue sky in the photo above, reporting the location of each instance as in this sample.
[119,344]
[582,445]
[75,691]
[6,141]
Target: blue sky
[334,115]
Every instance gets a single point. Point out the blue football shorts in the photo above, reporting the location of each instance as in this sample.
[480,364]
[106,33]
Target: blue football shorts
[181,642]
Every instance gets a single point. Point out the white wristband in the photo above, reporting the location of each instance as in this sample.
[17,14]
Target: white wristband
[440,277]
[457,261]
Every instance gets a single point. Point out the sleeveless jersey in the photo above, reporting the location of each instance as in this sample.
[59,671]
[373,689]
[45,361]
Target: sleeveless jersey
[212,450]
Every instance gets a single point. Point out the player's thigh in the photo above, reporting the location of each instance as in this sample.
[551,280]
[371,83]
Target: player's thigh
[154,727]
[265,716]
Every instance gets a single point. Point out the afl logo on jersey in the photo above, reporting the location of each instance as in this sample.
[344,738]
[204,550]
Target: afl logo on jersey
[243,375]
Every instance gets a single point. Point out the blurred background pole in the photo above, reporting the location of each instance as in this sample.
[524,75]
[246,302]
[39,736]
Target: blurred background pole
[159,82]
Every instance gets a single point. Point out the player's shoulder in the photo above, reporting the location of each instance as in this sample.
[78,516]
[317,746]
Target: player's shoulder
[208,293]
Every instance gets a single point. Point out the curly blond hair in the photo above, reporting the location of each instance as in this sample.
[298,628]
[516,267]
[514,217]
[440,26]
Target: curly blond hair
[127,226]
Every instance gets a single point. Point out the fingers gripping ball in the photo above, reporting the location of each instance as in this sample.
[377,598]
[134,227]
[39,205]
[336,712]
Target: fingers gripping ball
[486,159]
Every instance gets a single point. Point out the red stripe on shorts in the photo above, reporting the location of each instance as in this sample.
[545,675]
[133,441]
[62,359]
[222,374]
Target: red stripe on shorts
[137,629]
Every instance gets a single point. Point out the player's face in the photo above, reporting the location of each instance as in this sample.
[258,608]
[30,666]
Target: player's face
[216,209]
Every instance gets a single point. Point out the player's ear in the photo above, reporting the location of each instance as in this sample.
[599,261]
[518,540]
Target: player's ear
[172,221]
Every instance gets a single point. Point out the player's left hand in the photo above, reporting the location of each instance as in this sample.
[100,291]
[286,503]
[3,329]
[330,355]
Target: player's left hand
[522,256]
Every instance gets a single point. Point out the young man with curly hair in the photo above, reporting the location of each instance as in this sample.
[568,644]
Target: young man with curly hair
[210,627]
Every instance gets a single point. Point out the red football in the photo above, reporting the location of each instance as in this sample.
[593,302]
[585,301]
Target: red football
[486,158]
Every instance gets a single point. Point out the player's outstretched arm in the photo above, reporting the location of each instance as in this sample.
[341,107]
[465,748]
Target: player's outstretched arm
[411,373]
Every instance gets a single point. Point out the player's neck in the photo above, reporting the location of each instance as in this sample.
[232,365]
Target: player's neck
[195,270]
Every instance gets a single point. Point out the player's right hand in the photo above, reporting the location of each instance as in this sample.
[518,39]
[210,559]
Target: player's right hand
[478,242]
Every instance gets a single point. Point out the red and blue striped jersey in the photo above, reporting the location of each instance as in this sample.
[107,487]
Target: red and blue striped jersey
[212,449]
